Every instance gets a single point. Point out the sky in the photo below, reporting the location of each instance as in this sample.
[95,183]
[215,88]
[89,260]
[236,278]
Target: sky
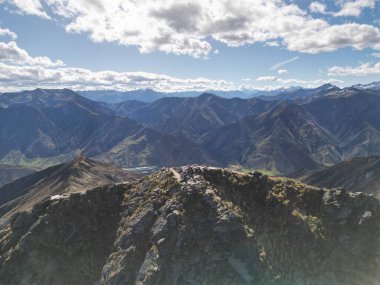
[181,45]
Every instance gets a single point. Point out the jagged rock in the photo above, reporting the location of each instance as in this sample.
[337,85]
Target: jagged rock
[196,225]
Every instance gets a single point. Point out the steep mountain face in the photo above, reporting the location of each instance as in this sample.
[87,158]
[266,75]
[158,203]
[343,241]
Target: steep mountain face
[32,131]
[192,117]
[78,175]
[282,140]
[58,130]
[352,117]
[9,172]
[196,225]
[360,174]
[150,147]
[338,126]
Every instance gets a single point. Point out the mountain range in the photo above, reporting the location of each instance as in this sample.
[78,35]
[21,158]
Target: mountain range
[149,95]
[74,218]
[48,129]
[307,129]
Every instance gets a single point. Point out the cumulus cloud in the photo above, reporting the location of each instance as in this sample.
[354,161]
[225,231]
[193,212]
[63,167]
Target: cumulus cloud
[282,71]
[354,7]
[7,32]
[348,8]
[19,70]
[361,70]
[189,27]
[11,53]
[30,7]
[317,7]
[15,77]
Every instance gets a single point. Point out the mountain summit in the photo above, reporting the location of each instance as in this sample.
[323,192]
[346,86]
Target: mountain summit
[196,225]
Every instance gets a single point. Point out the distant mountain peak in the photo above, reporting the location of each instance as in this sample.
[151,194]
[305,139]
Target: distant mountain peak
[327,86]
[370,86]
[207,95]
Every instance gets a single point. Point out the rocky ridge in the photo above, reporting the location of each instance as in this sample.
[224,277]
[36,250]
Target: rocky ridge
[196,225]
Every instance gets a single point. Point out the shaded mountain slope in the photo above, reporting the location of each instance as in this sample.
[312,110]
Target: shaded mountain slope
[195,116]
[196,225]
[9,172]
[352,116]
[281,140]
[78,175]
[150,147]
[338,126]
[57,132]
[360,174]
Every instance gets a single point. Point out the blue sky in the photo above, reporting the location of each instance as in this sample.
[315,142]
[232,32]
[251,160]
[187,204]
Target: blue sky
[187,45]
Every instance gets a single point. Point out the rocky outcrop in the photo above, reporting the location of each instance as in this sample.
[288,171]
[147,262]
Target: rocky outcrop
[196,225]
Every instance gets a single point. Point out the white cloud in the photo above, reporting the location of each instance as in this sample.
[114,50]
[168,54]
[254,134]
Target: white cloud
[282,63]
[361,70]
[330,38]
[354,7]
[317,7]
[267,78]
[11,53]
[42,72]
[282,71]
[19,70]
[376,54]
[246,79]
[7,32]
[272,44]
[15,77]
[347,7]
[188,27]
[30,7]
